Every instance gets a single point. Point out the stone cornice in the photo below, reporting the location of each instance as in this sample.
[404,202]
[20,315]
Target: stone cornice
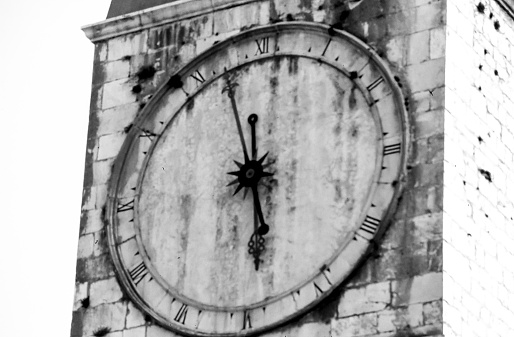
[156,16]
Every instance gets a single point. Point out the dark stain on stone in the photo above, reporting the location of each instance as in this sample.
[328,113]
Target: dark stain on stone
[76,323]
[185,207]
[305,4]
[145,73]
[102,331]
[137,89]
[486,174]
[293,65]
[339,193]
[354,131]
[190,106]
[352,101]
[84,303]
[481,8]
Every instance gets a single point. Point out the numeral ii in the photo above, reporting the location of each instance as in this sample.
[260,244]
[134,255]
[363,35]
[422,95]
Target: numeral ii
[181,314]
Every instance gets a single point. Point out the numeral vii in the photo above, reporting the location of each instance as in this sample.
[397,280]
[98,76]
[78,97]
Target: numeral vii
[181,314]
[138,273]
[262,46]
[392,149]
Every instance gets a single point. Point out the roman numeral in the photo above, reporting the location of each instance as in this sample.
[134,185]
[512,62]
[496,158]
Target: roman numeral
[126,207]
[326,47]
[375,83]
[262,46]
[181,314]
[148,134]
[247,321]
[198,77]
[392,149]
[138,273]
[318,290]
[370,225]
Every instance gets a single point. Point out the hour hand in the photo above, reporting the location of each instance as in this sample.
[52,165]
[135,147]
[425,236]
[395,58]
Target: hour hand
[263,228]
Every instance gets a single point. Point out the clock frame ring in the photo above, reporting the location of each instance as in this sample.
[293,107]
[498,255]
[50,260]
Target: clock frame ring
[139,124]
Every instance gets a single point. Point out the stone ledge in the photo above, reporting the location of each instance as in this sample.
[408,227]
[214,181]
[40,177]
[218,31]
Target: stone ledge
[156,16]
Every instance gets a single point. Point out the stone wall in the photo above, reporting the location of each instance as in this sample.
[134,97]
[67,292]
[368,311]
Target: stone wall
[398,291]
[478,164]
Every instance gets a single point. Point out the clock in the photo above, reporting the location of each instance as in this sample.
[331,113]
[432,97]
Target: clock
[256,180]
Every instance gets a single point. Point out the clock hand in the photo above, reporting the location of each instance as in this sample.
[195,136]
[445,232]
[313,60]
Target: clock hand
[252,119]
[263,228]
[256,243]
[230,92]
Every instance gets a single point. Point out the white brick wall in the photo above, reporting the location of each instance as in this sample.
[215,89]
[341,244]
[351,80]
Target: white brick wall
[478,236]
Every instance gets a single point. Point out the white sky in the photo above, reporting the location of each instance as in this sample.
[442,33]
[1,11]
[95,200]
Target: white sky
[46,65]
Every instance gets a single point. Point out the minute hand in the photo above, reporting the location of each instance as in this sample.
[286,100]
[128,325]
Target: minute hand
[230,90]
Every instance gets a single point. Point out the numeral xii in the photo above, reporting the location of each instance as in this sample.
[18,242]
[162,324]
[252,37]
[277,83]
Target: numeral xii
[262,46]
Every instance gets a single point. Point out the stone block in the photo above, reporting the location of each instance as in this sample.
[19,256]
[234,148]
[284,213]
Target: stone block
[117,92]
[80,294]
[157,331]
[126,46]
[432,312]
[418,47]
[101,245]
[352,326]
[418,289]
[426,76]
[400,318]
[110,145]
[134,316]
[136,332]
[373,297]
[102,171]
[104,291]
[437,42]
[106,315]
[91,221]
[395,50]
[429,123]
[85,248]
[116,70]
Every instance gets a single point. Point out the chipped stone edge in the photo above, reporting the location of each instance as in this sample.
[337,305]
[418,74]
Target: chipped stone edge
[156,16]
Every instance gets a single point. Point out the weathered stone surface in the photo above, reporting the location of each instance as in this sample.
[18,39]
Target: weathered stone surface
[104,291]
[419,289]
[374,297]
[134,316]
[104,315]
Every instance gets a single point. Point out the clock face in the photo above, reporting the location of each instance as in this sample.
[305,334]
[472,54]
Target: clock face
[255,180]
